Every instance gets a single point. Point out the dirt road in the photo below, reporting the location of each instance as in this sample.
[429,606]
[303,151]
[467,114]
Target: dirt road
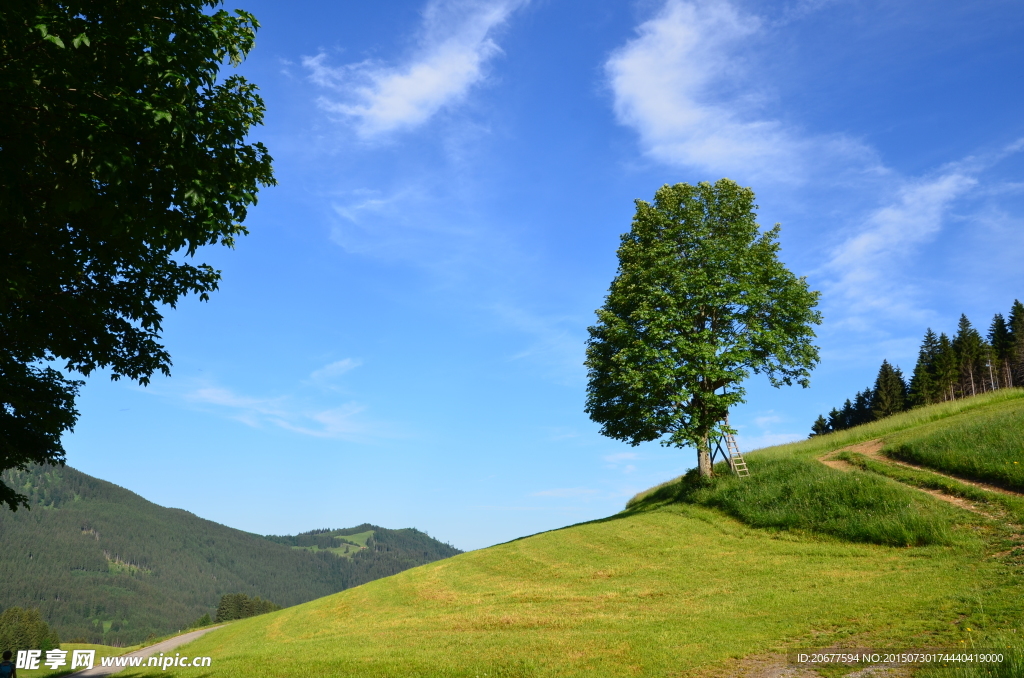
[164,646]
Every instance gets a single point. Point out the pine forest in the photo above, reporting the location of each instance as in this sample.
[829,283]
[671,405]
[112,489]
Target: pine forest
[947,368]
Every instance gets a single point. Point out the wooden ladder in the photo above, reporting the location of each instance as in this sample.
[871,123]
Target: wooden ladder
[731,453]
[736,461]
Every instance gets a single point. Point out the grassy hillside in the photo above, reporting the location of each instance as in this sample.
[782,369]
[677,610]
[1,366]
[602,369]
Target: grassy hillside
[105,565]
[986,446]
[677,584]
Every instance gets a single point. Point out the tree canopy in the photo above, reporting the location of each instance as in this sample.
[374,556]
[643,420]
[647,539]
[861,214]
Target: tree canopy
[700,300]
[122,152]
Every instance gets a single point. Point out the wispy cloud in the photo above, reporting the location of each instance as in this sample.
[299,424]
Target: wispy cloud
[767,420]
[689,84]
[677,85]
[455,43]
[614,461]
[343,422]
[328,373]
[406,224]
[866,269]
[555,342]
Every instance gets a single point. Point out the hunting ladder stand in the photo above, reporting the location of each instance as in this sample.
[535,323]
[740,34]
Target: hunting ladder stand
[731,453]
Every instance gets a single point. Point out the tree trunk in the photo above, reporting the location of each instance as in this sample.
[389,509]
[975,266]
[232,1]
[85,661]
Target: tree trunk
[704,458]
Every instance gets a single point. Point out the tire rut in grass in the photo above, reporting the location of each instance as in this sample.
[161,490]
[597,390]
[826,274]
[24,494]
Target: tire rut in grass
[872,449]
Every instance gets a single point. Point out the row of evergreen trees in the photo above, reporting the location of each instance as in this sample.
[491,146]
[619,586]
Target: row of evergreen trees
[241,606]
[24,629]
[947,369]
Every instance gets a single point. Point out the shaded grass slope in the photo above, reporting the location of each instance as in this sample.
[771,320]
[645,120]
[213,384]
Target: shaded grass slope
[802,494]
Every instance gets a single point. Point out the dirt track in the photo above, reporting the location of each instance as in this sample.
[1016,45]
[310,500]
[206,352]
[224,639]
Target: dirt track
[162,646]
[873,450]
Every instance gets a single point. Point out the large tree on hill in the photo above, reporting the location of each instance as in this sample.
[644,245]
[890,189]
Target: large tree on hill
[121,154]
[700,300]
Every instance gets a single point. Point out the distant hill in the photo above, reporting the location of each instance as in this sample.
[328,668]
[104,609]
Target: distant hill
[105,565]
[384,552]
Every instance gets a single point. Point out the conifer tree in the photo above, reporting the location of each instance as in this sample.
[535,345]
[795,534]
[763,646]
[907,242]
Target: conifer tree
[820,427]
[967,345]
[24,629]
[987,367]
[1016,351]
[924,386]
[890,392]
[946,368]
[862,407]
[1000,339]
[835,420]
[846,414]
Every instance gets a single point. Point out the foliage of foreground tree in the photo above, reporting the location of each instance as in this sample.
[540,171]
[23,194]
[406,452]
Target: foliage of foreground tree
[121,154]
[700,300]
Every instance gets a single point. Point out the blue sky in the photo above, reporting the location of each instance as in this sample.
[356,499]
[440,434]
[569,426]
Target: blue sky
[400,338]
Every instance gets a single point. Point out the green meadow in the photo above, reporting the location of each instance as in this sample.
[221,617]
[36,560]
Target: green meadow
[689,580]
[344,548]
[987,446]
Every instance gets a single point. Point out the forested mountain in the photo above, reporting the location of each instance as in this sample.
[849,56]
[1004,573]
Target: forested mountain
[370,543]
[947,368]
[102,564]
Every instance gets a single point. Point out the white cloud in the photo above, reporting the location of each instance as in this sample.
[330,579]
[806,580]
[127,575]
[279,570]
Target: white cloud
[767,420]
[614,461]
[865,267]
[334,370]
[455,43]
[343,422]
[406,224]
[683,85]
[555,341]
